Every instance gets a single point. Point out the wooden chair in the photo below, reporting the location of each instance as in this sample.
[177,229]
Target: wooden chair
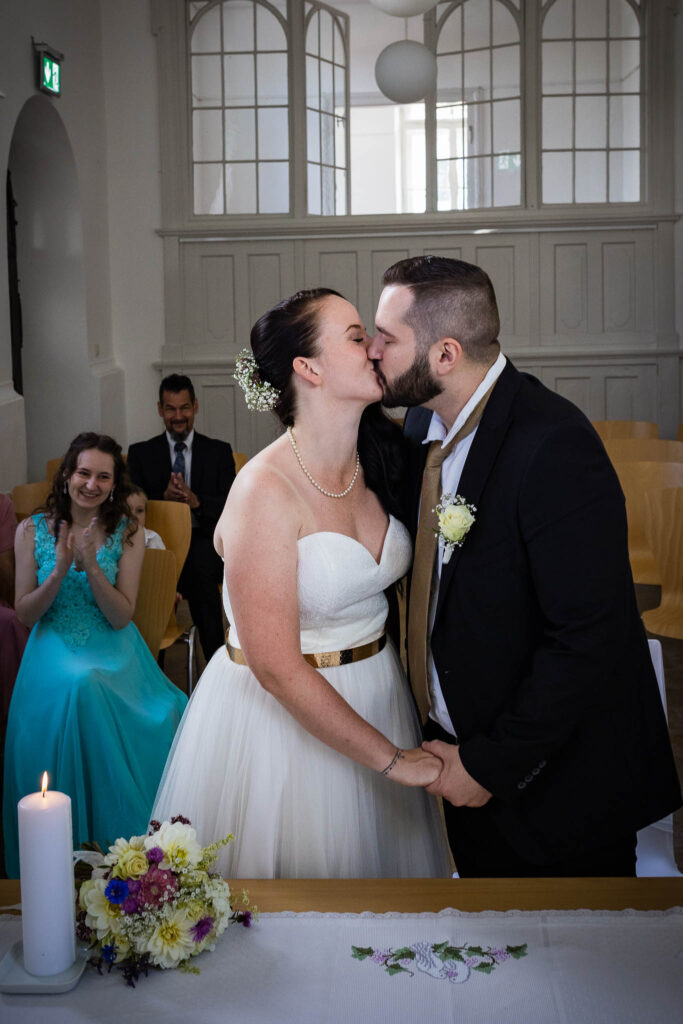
[636,478]
[28,497]
[643,449]
[608,429]
[173,522]
[664,530]
[240,459]
[156,596]
[51,467]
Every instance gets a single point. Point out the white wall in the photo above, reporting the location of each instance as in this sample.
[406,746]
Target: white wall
[134,207]
[108,109]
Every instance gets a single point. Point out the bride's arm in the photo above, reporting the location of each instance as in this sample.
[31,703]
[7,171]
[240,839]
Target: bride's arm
[259,531]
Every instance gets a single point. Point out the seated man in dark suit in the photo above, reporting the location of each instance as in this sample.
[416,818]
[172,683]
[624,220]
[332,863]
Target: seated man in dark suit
[184,465]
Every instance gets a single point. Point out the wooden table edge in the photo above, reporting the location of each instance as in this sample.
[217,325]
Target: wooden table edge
[430,894]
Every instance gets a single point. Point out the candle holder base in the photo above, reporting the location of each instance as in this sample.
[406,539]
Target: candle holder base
[14,978]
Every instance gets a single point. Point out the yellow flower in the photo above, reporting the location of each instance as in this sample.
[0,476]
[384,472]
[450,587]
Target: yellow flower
[172,939]
[85,886]
[122,846]
[455,522]
[131,864]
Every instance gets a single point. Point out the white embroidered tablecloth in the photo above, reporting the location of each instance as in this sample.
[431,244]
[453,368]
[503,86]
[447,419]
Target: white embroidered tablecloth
[549,967]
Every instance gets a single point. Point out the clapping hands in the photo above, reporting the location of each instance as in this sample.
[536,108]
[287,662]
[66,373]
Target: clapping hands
[64,548]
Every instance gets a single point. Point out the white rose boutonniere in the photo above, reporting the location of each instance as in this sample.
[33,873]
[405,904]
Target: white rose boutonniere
[456,517]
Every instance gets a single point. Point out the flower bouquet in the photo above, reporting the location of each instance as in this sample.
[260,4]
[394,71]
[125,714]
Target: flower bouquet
[152,901]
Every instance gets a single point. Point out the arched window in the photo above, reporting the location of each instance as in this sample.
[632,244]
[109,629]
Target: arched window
[478,105]
[240,107]
[591,134]
[326,111]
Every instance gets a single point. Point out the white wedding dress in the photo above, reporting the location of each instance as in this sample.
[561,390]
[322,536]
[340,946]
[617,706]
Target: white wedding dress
[298,809]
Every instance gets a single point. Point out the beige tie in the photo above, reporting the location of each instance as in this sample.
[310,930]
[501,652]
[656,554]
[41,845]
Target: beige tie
[426,544]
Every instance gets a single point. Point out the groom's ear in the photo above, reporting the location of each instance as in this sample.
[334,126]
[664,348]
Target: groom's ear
[447,353]
[305,369]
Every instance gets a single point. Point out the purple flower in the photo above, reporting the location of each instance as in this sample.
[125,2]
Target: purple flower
[378,957]
[130,905]
[157,886]
[202,928]
[116,891]
[154,826]
[245,918]
[155,855]
[133,886]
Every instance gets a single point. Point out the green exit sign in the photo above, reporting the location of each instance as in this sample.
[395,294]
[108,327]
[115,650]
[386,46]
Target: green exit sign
[50,75]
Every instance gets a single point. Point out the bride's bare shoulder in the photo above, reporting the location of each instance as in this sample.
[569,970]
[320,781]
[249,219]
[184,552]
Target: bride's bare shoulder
[264,481]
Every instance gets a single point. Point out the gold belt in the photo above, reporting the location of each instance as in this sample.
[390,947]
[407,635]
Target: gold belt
[327,659]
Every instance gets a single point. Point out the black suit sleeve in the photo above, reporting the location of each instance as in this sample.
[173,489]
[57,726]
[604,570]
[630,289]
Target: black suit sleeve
[136,469]
[572,523]
[217,475]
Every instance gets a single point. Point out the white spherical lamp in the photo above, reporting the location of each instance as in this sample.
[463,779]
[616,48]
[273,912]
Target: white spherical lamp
[403,8]
[406,71]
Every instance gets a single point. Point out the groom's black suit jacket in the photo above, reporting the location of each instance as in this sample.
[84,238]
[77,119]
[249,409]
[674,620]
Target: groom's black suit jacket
[537,640]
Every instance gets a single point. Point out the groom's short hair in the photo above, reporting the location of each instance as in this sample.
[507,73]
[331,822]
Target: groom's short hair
[451,299]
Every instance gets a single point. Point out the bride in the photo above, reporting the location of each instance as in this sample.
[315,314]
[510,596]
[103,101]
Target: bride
[301,737]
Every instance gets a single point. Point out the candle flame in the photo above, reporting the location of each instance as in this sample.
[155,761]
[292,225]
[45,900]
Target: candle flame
[44,784]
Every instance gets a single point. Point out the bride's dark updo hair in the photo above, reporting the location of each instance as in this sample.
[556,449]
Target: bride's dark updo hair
[291,329]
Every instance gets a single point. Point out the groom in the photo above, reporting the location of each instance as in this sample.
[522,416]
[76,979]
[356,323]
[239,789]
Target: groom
[528,659]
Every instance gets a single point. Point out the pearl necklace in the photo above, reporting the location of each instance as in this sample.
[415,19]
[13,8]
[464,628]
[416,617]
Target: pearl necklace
[328,494]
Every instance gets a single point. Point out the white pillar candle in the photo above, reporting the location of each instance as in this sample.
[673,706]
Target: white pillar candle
[47,882]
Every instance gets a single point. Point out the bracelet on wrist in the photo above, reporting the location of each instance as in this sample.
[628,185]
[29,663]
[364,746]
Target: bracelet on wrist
[397,756]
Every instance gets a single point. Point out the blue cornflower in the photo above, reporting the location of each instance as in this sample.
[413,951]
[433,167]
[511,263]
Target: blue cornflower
[109,953]
[116,891]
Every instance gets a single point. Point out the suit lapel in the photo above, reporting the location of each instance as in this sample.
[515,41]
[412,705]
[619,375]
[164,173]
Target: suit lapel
[196,470]
[482,456]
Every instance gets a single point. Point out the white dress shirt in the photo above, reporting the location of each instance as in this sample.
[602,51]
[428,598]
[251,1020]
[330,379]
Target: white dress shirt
[187,453]
[451,471]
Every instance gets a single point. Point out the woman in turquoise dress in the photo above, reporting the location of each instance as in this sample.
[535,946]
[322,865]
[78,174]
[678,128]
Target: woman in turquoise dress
[90,704]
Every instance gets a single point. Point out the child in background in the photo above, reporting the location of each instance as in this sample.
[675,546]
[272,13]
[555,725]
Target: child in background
[137,503]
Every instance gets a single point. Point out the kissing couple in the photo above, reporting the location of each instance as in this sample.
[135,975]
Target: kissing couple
[529,666]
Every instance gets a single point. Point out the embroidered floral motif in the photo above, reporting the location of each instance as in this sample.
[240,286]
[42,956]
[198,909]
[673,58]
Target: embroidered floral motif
[74,613]
[440,960]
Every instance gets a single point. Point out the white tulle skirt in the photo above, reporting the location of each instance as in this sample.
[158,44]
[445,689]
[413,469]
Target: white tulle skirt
[298,809]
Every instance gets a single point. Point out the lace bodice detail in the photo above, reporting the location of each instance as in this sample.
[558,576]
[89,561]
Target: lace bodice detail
[74,614]
[341,588]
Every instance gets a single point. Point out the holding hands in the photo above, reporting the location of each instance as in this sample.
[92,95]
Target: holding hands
[455,784]
[416,767]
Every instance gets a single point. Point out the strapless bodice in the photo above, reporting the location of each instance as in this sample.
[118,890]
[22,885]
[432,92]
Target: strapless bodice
[340,588]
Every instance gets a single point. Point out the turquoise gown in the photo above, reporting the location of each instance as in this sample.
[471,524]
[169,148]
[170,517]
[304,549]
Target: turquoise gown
[91,707]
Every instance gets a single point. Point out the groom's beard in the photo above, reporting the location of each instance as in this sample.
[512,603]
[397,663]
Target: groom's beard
[414,386]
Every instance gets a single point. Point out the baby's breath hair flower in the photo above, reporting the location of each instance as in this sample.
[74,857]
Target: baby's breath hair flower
[259,395]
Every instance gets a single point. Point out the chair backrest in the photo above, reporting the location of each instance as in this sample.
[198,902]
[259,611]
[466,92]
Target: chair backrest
[28,497]
[240,459]
[636,478]
[643,449]
[51,467]
[625,428]
[664,532]
[173,522]
[156,595]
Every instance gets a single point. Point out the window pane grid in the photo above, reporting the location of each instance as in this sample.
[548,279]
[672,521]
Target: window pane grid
[240,115]
[478,111]
[608,172]
[326,113]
